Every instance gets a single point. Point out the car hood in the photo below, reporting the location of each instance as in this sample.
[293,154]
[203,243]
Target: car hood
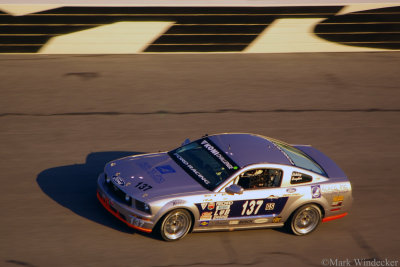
[151,175]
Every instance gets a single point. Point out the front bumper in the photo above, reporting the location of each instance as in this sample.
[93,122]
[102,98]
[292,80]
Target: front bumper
[121,210]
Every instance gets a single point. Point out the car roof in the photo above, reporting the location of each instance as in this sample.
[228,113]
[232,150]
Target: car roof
[246,149]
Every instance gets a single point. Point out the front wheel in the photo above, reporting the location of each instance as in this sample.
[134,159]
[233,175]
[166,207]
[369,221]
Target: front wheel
[175,225]
[305,219]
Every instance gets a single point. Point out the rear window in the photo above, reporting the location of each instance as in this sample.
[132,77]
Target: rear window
[298,158]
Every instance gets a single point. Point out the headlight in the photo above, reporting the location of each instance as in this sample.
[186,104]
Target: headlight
[146,208]
[143,206]
[108,180]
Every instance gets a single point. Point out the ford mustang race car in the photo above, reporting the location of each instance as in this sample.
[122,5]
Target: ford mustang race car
[225,182]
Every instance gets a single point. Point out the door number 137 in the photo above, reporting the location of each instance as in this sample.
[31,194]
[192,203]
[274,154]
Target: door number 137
[252,207]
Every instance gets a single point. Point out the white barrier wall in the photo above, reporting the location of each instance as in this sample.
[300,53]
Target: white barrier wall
[51,29]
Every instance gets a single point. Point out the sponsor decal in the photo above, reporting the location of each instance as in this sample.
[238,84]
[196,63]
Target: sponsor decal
[270,206]
[153,173]
[299,178]
[165,169]
[296,178]
[221,214]
[224,202]
[178,202]
[220,217]
[191,168]
[216,153]
[261,220]
[291,190]
[338,198]
[205,223]
[337,201]
[118,180]
[206,216]
[276,219]
[316,191]
[219,222]
[243,208]
[223,207]
[234,222]
[222,210]
[245,221]
[335,188]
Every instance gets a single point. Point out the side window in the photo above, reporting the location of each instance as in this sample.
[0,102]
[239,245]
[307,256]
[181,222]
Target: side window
[300,178]
[260,178]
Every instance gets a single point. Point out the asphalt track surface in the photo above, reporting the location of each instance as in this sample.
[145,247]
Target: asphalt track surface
[63,117]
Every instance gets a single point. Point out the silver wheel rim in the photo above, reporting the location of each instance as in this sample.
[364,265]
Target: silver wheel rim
[176,225]
[306,220]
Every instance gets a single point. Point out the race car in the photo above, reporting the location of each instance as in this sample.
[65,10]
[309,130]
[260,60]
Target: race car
[227,181]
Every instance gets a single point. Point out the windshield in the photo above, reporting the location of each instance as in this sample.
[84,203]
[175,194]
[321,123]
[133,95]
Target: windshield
[298,158]
[205,162]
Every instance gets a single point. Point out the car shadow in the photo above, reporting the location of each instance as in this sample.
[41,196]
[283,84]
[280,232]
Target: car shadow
[74,187]
[283,230]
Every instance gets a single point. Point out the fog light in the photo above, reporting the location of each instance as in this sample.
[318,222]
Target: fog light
[146,208]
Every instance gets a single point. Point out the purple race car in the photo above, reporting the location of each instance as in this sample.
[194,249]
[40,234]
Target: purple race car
[225,182]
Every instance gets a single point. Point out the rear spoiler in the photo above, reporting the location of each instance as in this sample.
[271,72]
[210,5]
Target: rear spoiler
[330,167]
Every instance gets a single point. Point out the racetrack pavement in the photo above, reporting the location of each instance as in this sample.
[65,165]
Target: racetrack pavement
[63,117]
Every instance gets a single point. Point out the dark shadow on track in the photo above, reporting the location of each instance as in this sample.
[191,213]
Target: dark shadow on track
[74,187]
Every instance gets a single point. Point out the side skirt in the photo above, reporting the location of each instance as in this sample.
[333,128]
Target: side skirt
[230,227]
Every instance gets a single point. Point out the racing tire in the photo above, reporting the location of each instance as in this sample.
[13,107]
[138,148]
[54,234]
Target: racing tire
[305,219]
[175,225]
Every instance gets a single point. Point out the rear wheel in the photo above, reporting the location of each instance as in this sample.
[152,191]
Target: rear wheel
[175,225]
[305,219]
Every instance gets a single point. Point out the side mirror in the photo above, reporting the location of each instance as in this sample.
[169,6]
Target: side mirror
[234,189]
[187,141]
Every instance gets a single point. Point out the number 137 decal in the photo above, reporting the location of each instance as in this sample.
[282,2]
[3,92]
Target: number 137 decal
[244,208]
[252,207]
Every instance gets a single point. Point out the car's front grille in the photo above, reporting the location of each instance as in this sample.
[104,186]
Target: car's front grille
[118,193]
